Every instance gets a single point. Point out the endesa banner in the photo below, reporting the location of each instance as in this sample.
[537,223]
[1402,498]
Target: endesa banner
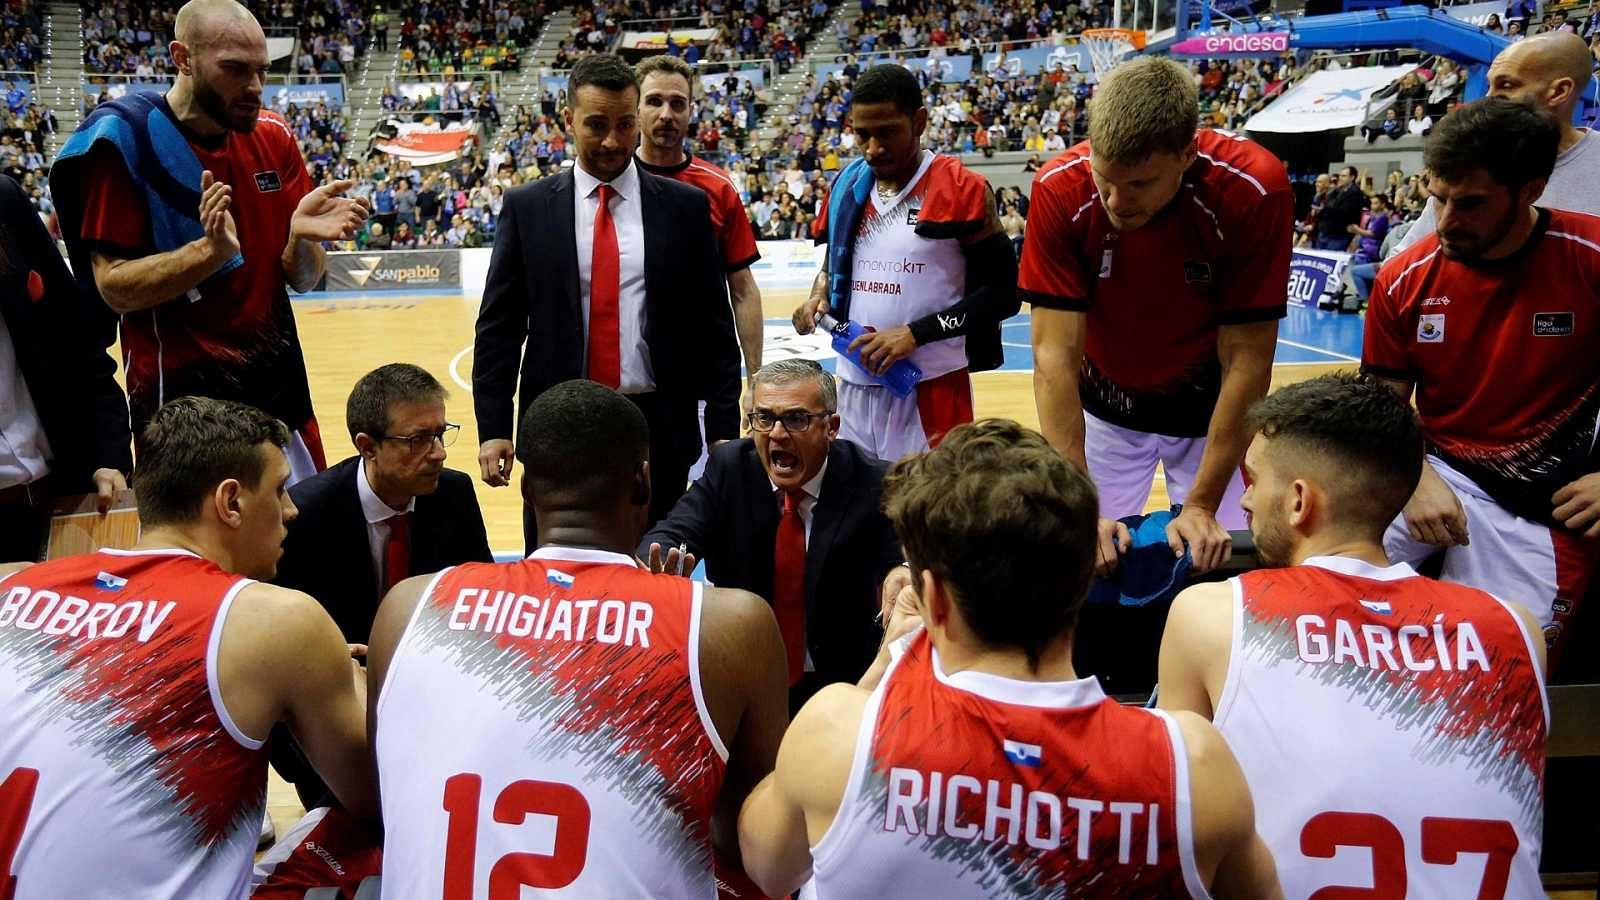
[1255,43]
[394,270]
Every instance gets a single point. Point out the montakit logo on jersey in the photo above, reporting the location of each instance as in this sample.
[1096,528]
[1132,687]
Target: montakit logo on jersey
[559,578]
[1381,607]
[106,581]
[1023,754]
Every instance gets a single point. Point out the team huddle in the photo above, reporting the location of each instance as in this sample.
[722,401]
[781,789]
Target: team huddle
[586,723]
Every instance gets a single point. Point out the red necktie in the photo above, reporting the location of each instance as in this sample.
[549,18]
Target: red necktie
[397,551]
[605,278]
[789,584]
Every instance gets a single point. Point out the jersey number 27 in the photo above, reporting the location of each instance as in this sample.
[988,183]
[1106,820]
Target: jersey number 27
[1443,841]
[520,799]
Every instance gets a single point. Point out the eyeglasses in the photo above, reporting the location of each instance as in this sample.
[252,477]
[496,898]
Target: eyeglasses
[421,443]
[794,421]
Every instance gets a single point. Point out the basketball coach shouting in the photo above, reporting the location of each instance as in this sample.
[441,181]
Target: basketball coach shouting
[610,273]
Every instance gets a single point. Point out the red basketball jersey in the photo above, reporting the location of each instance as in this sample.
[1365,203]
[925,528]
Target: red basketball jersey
[973,785]
[736,237]
[121,774]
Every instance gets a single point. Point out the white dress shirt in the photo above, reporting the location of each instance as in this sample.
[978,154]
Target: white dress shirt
[377,514]
[23,449]
[638,376]
[812,489]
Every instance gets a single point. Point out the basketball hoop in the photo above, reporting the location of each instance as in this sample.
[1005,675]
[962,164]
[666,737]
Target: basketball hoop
[1108,46]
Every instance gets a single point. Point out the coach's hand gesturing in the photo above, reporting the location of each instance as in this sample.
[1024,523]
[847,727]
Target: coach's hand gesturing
[1434,514]
[1208,541]
[495,458]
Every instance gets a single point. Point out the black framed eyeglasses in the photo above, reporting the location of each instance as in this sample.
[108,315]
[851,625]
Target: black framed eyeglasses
[421,443]
[794,421]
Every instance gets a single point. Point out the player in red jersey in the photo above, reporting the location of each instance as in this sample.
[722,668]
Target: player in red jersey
[631,711]
[1368,706]
[1156,260]
[327,855]
[137,687]
[195,321]
[666,102]
[1493,321]
[971,761]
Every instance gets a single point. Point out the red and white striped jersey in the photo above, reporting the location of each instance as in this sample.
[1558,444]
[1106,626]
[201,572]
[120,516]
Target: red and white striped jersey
[974,785]
[1392,729]
[542,728]
[121,774]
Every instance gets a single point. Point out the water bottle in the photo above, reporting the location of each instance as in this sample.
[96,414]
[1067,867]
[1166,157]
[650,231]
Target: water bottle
[901,378]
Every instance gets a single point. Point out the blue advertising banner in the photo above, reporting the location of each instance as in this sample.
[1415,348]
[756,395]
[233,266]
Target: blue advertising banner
[302,95]
[1313,273]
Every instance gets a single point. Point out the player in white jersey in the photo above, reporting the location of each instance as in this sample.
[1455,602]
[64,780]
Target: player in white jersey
[971,761]
[1392,727]
[627,712]
[137,686]
[915,251]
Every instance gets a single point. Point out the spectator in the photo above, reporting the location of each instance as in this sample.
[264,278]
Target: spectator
[404,237]
[377,238]
[1340,212]
[1420,123]
[1390,127]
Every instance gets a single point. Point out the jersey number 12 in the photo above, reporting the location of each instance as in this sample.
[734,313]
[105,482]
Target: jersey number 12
[510,873]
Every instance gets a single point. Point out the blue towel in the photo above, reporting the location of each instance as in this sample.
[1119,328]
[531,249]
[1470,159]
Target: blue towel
[1148,572]
[847,200]
[158,159]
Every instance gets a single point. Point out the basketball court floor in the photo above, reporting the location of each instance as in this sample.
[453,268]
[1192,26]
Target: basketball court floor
[347,334]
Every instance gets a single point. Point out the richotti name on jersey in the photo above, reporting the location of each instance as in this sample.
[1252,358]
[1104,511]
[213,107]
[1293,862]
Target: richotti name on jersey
[1011,813]
[51,613]
[1408,648]
[608,621]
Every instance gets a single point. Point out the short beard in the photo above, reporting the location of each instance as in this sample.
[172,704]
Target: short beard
[1272,543]
[1477,253]
[211,102]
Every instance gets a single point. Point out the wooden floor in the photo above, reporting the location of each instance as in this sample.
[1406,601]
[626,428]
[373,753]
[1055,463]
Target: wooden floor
[344,339]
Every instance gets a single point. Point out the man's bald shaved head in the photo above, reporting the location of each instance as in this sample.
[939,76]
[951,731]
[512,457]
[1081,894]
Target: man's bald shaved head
[201,22]
[221,56]
[1533,69]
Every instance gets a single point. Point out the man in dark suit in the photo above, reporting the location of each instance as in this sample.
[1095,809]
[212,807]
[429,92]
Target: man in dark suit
[63,419]
[377,518]
[796,516]
[628,292]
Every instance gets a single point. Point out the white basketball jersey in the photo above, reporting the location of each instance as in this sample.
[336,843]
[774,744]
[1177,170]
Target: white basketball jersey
[899,276]
[1392,729]
[541,732]
[121,774]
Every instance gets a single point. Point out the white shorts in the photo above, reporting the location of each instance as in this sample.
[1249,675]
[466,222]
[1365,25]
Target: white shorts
[1542,569]
[891,427]
[1122,463]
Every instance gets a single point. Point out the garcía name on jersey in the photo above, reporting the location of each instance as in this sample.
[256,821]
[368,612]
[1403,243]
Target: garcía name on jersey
[1408,648]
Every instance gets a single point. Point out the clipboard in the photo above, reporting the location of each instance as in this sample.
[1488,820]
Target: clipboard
[76,526]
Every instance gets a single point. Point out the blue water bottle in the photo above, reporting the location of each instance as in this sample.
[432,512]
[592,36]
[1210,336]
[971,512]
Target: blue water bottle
[901,378]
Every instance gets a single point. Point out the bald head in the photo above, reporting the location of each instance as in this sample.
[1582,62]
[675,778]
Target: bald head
[1549,70]
[203,22]
[221,56]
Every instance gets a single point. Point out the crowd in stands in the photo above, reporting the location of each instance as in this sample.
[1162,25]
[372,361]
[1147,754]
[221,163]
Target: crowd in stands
[776,29]
[957,28]
[130,39]
[456,102]
[472,35]
[20,44]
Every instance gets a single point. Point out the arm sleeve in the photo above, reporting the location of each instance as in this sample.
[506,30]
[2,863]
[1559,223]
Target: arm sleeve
[1255,280]
[819,225]
[115,219]
[1052,273]
[1385,344]
[991,293]
[502,327]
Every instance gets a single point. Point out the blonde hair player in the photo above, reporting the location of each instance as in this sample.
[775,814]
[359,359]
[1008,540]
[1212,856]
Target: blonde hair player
[1156,260]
